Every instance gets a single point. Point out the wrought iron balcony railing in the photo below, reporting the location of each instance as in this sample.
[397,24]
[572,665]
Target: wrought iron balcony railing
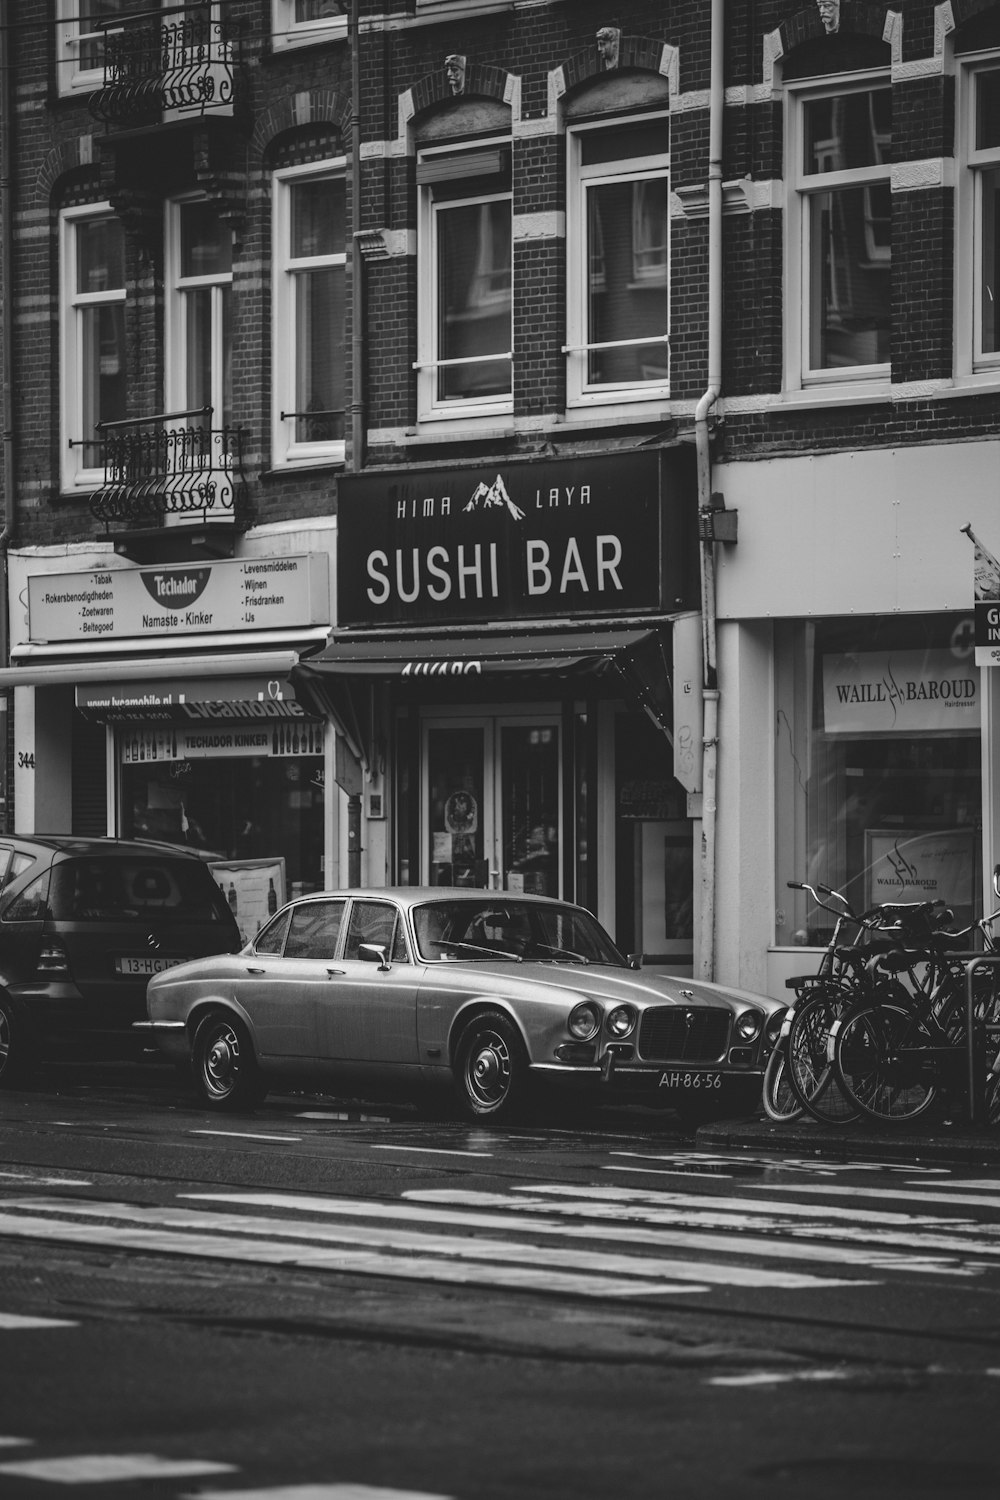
[167,67]
[170,469]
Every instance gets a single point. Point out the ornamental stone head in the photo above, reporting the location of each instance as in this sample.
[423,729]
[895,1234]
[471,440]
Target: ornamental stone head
[608,42]
[829,14]
[454,68]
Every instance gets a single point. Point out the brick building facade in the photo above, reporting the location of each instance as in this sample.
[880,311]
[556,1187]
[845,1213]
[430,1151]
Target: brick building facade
[386,385]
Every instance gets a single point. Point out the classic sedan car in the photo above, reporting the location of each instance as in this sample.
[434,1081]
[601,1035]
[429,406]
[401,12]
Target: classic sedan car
[489,994]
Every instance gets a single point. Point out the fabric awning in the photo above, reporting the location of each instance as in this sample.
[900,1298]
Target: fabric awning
[562,653]
[635,662]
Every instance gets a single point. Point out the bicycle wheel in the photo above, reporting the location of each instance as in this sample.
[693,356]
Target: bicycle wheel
[877,1053]
[810,1072]
[780,1100]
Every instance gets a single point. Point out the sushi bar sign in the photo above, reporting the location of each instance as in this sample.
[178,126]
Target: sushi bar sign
[598,536]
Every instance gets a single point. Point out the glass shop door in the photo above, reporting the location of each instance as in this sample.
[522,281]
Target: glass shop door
[492,803]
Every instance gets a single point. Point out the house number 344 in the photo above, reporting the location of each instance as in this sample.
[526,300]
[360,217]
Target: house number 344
[26,760]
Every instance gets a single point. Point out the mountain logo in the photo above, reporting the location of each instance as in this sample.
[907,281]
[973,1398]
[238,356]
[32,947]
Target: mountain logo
[489,496]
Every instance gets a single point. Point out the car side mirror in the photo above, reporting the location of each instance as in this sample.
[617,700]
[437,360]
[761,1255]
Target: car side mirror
[635,960]
[373,953]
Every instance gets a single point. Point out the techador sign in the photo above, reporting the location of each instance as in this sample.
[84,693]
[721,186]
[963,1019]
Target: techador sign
[595,536]
[175,589]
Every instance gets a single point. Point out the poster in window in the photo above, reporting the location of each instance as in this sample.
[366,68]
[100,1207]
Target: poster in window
[921,866]
[254,888]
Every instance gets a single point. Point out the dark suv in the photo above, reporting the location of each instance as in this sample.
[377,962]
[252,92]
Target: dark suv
[83,925]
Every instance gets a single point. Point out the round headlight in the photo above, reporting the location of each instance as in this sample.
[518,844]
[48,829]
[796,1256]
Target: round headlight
[748,1025]
[621,1021]
[584,1021]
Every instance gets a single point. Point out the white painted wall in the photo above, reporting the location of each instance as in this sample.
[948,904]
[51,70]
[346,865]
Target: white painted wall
[864,532]
[745,839]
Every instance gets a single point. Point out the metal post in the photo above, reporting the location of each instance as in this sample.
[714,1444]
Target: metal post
[976,1034]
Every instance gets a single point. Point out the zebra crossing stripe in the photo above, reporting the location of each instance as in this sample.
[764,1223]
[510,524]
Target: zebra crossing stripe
[465,1272]
[970,1200]
[317,1492]
[613,1270]
[16,1320]
[112,1468]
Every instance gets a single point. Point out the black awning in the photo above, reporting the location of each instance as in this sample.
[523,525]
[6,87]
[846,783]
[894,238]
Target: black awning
[636,663]
[563,653]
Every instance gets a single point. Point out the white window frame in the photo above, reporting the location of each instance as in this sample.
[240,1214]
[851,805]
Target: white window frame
[970,357]
[285,450]
[799,375]
[175,327]
[70,77]
[75,472]
[287,32]
[580,393]
[429,407]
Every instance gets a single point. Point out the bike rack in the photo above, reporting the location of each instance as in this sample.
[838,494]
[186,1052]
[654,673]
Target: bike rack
[977,1032]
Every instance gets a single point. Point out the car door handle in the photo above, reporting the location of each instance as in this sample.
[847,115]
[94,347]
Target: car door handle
[251,970]
[335,973]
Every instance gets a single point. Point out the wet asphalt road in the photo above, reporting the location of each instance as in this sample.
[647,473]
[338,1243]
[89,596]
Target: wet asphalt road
[324,1299]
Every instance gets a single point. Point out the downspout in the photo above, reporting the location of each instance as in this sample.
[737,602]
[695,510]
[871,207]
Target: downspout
[357,375]
[6,332]
[710,688]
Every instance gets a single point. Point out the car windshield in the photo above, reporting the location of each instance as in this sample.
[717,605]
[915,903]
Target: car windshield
[99,889]
[511,930]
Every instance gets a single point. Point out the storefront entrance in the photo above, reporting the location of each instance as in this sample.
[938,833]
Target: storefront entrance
[491,802]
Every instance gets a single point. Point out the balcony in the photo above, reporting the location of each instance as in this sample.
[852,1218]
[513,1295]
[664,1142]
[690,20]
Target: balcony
[173,485]
[160,69]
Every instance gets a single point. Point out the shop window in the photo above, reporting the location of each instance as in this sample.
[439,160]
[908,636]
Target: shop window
[299,23]
[618,249]
[877,760]
[465,360]
[92,337]
[199,279]
[310,256]
[251,807]
[839,224]
[979,220]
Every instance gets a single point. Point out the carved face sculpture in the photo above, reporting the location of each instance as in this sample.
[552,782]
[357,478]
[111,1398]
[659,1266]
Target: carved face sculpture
[607,46]
[454,68]
[829,14]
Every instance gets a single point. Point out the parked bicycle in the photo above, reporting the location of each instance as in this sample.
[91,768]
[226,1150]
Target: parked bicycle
[799,1077]
[905,1041]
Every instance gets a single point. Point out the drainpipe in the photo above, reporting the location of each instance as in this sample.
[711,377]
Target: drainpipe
[357,296]
[710,689]
[7,319]
[357,378]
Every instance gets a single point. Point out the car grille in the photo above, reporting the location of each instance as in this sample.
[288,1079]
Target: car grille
[670,1033]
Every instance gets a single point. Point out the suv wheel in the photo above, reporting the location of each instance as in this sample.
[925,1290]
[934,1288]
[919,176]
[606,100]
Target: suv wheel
[15,1056]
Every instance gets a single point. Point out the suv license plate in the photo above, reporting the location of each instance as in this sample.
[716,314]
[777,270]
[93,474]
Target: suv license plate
[677,1079]
[144,965]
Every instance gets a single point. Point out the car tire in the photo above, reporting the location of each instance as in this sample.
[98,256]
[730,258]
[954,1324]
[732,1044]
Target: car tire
[17,1059]
[491,1069]
[226,1072]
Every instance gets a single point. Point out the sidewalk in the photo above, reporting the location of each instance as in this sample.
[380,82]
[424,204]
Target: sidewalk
[936,1141]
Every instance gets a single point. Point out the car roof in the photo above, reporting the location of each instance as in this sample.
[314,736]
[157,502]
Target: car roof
[414,895]
[77,844]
